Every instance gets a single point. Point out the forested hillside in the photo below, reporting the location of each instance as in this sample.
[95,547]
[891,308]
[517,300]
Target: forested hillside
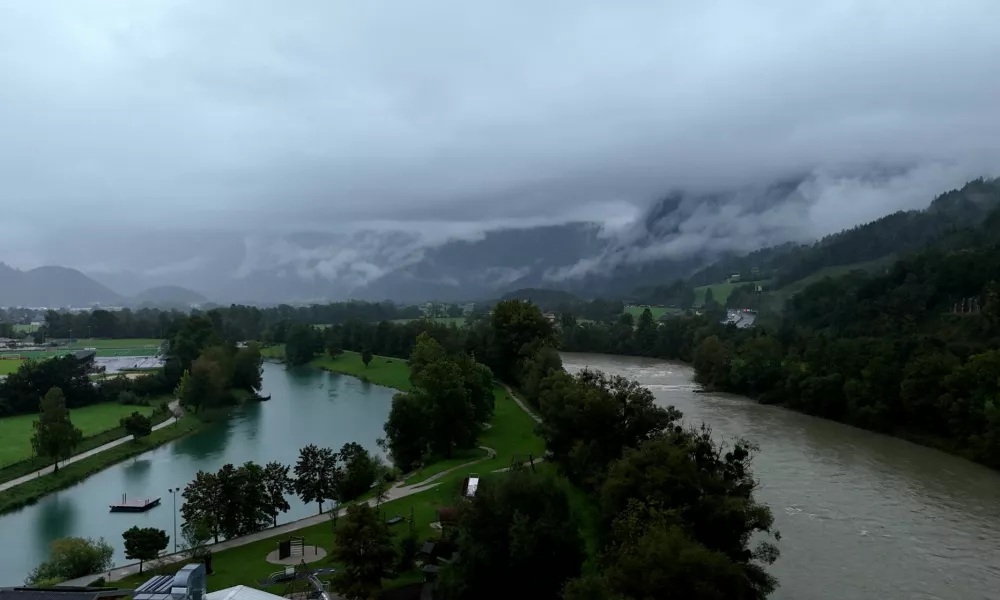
[913,350]
[899,233]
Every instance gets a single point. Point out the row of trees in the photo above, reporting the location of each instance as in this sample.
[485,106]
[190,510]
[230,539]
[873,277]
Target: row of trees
[235,323]
[237,501]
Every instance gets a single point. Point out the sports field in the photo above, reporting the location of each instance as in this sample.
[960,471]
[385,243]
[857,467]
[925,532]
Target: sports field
[26,328]
[9,366]
[16,432]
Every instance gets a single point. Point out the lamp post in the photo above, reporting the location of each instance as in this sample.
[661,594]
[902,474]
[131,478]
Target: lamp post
[174,491]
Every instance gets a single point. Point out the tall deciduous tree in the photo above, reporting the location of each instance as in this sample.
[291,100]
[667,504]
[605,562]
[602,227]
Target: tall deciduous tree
[590,419]
[359,468]
[73,557]
[705,489]
[248,368]
[302,343]
[406,430]
[316,475]
[518,528]
[144,543]
[519,330]
[277,484]
[203,503]
[55,435]
[365,548]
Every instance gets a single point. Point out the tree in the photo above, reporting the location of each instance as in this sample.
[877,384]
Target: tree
[205,385]
[334,345]
[360,469]
[406,430]
[589,420]
[203,503]
[653,557]
[365,548]
[195,536]
[316,475]
[518,330]
[55,436]
[73,557]
[248,368]
[366,357]
[137,425]
[277,484]
[518,528]
[703,488]
[302,343]
[144,543]
[709,301]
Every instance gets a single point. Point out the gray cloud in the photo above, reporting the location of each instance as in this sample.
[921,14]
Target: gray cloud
[136,124]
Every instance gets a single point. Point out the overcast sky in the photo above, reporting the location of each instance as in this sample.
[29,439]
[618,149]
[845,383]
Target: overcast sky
[132,120]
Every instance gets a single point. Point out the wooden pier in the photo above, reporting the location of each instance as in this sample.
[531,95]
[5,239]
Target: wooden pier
[139,505]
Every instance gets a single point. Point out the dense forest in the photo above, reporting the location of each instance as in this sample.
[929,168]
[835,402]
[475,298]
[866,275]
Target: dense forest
[913,351]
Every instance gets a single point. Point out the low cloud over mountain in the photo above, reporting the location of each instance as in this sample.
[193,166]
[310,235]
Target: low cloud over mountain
[341,148]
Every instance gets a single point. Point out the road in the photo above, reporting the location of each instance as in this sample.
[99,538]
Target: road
[174,406]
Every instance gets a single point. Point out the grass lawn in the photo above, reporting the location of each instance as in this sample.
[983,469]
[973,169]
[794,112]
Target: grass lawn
[16,432]
[30,491]
[29,328]
[390,372]
[9,366]
[656,311]
[720,291]
[276,351]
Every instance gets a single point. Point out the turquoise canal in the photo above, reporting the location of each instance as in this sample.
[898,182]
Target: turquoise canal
[308,406]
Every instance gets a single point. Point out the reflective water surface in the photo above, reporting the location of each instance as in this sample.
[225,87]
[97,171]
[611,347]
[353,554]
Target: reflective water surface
[307,406]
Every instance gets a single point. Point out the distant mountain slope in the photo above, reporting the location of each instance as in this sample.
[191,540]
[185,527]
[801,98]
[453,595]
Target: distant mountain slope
[170,294]
[897,234]
[52,287]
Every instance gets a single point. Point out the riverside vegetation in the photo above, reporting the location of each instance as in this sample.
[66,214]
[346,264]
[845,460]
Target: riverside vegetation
[632,502]
[202,370]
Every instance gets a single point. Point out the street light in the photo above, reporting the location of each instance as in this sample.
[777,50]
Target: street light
[174,492]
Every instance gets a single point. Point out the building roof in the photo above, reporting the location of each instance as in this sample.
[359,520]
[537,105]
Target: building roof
[241,592]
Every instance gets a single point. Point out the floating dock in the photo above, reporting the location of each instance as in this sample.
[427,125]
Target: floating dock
[140,505]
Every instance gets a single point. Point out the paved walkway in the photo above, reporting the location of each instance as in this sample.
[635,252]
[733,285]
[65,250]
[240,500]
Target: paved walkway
[49,469]
[523,406]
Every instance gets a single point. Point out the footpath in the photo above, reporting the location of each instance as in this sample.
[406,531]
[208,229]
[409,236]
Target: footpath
[395,492]
[49,469]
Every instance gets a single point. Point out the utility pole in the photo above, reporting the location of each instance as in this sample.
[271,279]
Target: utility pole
[174,492]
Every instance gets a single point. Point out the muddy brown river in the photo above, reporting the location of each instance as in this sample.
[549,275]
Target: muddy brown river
[861,515]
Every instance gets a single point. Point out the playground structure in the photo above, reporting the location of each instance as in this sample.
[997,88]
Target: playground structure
[294,550]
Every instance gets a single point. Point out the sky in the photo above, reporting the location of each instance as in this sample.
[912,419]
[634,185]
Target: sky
[171,128]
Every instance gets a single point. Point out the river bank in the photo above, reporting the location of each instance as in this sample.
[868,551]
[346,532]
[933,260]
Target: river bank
[33,465]
[307,406]
[30,491]
[240,561]
[862,515]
